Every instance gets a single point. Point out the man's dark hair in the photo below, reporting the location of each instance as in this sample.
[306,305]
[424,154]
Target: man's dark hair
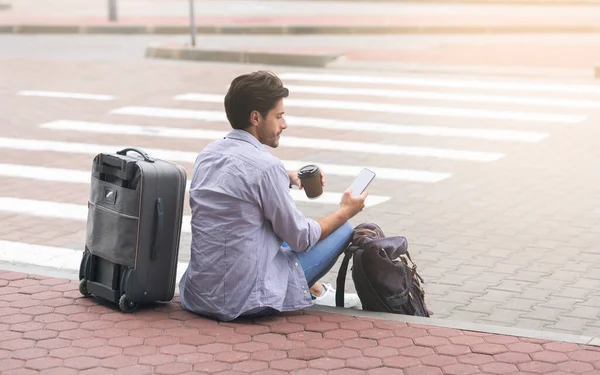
[258,91]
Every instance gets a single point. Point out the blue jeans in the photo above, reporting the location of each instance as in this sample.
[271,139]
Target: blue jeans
[317,261]
[322,257]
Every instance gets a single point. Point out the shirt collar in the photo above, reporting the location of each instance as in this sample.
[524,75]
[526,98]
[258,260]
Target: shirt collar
[243,135]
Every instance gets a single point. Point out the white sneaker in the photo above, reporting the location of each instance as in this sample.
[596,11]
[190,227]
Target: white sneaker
[327,298]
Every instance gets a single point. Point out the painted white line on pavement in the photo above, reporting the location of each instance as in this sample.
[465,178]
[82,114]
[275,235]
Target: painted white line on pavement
[38,255]
[393,174]
[66,95]
[362,126]
[334,198]
[189,157]
[449,96]
[51,257]
[409,109]
[443,82]
[47,209]
[44,173]
[287,141]
[83,177]
[56,210]
[79,212]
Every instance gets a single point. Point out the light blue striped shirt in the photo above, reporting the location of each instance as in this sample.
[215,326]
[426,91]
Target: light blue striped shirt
[242,210]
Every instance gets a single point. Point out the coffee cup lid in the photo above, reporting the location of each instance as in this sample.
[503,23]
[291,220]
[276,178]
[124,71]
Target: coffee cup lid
[308,170]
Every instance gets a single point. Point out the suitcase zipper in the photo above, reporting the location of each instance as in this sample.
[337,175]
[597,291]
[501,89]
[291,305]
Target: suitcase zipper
[114,211]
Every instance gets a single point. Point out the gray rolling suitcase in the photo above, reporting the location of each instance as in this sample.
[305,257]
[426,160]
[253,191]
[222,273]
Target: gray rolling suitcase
[135,212]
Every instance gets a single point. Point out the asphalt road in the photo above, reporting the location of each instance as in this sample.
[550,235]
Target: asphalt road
[544,55]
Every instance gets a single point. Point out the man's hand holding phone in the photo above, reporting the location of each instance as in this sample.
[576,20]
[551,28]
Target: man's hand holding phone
[354,197]
[352,205]
[352,202]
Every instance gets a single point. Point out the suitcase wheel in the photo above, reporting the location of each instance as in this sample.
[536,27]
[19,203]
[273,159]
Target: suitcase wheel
[127,306]
[83,268]
[83,288]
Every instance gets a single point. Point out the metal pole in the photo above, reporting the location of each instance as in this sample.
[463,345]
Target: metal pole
[192,23]
[112,10]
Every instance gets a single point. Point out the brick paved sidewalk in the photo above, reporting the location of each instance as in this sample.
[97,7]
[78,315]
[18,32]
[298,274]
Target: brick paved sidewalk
[46,327]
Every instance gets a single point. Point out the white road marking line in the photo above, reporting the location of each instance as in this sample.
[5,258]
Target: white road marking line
[51,257]
[66,95]
[286,141]
[444,82]
[38,255]
[334,198]
[362,126]
[44,173]
[56,210]
[449,96]
[189,157]
[79,212]
[83,177]
[392,174]
[408,109]
[47,209]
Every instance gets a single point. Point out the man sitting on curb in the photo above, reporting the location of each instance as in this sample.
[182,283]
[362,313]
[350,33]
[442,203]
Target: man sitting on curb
[253,252]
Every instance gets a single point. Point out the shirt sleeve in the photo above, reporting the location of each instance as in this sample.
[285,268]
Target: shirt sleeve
[289,223]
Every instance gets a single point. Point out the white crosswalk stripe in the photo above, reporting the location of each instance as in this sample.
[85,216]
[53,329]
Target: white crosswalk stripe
[443,82]
[286,141]
[189,157]
[65,95]
[406,109]
[475,98]
[56,210]
[334,124]
[51,256]
[522,116]
[83,177]
[42,256]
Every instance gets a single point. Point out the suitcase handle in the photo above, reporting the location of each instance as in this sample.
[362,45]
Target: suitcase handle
[159,227]
[139,151]
[114,162]
[113,166]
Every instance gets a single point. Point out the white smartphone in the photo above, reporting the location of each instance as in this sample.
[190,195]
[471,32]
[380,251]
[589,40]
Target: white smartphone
[361,181]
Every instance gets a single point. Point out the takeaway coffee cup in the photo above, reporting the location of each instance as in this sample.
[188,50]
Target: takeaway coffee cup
[311,180]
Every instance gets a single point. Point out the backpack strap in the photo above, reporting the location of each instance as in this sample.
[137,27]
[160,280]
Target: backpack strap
[414,267]
[341,278]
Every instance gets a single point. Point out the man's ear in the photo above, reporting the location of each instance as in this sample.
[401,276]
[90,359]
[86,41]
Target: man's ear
[254,118]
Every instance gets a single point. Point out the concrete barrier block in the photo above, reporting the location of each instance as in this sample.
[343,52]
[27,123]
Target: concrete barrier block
[116,29]
[46,29]
[240,56]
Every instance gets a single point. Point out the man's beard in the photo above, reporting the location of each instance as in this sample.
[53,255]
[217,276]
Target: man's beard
[274,142]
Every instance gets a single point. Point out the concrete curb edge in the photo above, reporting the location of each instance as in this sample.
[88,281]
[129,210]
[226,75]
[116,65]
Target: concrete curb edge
[465,326]
[252,57]
[290,30]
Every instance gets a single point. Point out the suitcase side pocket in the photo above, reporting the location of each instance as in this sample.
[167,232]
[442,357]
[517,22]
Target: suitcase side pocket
[113,222]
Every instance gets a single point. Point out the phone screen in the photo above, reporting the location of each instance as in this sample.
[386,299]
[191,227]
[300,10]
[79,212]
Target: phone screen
[361,181]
